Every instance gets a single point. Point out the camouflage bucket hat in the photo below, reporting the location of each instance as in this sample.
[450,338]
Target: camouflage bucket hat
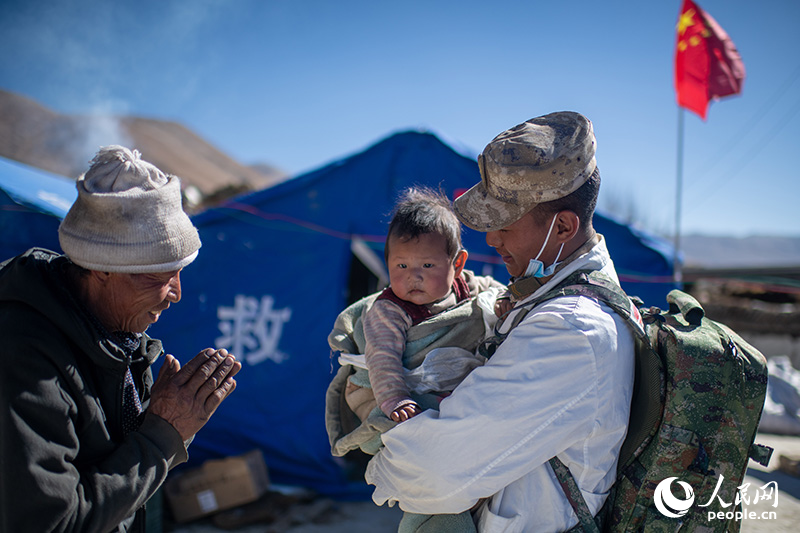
[540,160]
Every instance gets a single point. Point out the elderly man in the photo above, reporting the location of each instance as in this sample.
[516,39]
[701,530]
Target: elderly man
[86,437]
[559,384]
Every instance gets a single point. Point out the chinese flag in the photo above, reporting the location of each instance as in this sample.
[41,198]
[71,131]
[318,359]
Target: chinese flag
[707,64]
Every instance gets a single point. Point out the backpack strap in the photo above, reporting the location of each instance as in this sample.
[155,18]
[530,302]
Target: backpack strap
[586,522]
[596,285]
[760,453]
[590,283]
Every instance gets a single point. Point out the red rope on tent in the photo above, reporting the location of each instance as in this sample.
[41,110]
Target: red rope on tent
[302,223]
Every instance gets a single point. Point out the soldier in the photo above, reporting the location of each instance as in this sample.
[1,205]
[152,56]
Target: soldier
[560,383]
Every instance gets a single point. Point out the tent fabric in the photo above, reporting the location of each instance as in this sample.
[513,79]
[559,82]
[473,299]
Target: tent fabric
[273,274]
[32,204]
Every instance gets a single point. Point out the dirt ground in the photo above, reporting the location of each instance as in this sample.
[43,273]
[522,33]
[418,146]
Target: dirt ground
[327,516]
[787,505]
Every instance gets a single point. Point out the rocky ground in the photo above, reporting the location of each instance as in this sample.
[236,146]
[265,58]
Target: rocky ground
[327,516]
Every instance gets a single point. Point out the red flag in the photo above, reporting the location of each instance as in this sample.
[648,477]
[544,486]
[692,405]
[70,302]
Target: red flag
[707,64]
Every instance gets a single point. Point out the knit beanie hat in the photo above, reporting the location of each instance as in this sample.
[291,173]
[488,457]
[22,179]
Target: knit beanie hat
[128,217]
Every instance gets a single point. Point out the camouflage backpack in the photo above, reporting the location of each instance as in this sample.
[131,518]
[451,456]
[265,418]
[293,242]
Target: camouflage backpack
[698,395]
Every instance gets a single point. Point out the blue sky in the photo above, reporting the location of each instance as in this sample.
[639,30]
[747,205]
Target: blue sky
[299,84]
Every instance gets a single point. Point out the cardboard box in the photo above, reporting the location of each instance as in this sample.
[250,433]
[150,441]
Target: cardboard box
[216,485]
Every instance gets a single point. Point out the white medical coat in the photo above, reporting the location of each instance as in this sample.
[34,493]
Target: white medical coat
[560,384]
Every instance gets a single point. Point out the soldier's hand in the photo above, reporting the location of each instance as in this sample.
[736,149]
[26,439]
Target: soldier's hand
[187,397]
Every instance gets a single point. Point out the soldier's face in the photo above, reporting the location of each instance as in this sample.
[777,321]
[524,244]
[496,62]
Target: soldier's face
[520,242]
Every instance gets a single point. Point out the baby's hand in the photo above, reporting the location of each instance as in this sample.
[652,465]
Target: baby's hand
[405,411]
[502,306]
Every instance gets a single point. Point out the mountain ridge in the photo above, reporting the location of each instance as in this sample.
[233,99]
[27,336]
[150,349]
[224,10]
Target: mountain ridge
[63,144]
[757,251]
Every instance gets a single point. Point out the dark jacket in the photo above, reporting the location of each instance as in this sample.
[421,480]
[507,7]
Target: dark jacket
[64,462]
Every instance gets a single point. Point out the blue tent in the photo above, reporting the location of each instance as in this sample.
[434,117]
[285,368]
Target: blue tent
[32,204]
[278,265]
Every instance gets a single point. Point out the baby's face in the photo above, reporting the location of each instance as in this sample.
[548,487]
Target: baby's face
[420,270]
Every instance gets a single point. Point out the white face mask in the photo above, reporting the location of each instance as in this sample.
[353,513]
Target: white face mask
[535,267]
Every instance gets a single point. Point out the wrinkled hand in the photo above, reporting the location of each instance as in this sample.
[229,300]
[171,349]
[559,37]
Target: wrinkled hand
[187,397]
[406,411]
[502,306]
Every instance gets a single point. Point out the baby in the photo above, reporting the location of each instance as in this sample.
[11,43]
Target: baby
[430,295]
[425,261]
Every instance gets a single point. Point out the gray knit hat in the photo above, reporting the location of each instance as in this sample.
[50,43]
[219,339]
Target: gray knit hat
[541,160]
[128,217]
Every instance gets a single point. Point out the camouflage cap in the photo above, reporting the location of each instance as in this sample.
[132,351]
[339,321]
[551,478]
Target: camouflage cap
[540,160]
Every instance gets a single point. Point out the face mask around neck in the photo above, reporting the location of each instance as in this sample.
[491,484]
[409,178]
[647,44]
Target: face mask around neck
[535,266]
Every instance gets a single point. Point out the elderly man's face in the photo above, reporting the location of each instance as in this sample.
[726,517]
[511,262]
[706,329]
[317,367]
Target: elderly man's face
[134,301]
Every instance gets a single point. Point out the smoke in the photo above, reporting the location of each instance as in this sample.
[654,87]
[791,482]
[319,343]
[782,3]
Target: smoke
[97,129]
[98,61]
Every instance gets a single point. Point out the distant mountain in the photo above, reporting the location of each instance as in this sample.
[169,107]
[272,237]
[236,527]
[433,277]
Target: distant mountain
[32,134]
[705,251]
[267,170]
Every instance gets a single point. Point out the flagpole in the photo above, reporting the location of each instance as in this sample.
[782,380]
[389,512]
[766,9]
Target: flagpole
[676,264]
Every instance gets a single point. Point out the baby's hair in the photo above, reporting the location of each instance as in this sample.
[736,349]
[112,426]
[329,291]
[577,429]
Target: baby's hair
[421,210]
